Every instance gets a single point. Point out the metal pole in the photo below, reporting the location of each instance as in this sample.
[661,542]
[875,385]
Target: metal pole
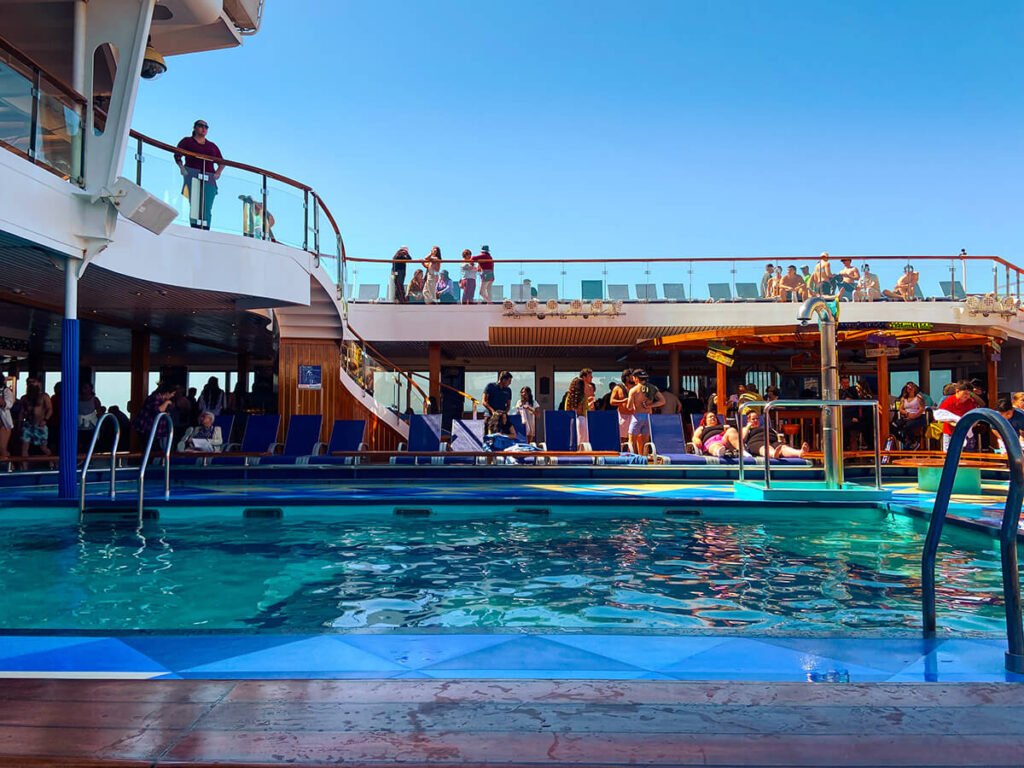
[138,162]
[767,446]
[305,220]
[68,465]
[831,417]
[78,83]
[878,448]
[266,213]
[34,124]
[113,459]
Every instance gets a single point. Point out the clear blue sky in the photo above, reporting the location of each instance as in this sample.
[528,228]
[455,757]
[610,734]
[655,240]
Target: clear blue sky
[583,128]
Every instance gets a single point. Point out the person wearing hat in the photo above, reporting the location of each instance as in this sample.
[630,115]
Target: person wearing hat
[847,279]
[200,174]
[485,263]
[642,400]
[399,262]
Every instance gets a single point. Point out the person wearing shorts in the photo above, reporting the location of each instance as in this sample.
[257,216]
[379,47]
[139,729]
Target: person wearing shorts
[639,404]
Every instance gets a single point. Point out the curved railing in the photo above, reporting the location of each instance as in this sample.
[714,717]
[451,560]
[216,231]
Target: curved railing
[680,279]
[1007,531]
[88,459]
[145,460]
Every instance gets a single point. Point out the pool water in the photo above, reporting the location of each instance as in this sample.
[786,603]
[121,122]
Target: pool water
[306,571]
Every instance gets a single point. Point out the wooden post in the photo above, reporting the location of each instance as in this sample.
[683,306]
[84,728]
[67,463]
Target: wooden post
[924,370]
[883,401]
[673,371]
[722,396]
[434,390]
[991,375]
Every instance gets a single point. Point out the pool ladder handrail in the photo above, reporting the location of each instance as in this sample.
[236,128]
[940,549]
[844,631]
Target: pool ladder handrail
[113,459]
[1014,659]
[767,406]
[167,460]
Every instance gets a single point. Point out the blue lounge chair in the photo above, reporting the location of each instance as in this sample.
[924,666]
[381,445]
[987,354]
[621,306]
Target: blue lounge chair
[346,435]
[952,290]
[560,435]
[674,291]
[260,435]
[646,291]
[517,422]
[468,435]
[720,291]
[547,291]
[225,421]
[603,427]
[303,437]
[424,436]
[368,293]
[618,292]
[668,443]
[748,291]
[590,290]
[918,293]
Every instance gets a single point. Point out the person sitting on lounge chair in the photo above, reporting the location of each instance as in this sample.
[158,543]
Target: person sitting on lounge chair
[712,438]
[905,286]
[757,443]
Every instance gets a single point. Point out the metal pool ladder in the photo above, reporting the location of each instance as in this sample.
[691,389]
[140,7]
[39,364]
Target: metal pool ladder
[113,459]
[167,460]
[1014,659]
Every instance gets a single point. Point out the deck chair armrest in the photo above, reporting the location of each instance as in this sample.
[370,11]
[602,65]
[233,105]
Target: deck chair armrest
[363,447]
[275,448]
[318,449]
[402,446]
[184,439]
[542,445]
[585,446]
[651,450]
[228,447]
[692,448]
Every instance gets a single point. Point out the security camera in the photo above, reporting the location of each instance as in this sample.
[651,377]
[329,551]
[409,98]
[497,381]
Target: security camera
[153,64]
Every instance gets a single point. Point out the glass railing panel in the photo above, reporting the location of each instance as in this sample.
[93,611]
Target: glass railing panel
[287,207]
[163,179]
[15,106]
[238,205]
[59,131]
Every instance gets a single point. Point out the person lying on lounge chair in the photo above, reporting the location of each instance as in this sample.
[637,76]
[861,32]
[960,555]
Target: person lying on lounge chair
[712,438]
[756,442]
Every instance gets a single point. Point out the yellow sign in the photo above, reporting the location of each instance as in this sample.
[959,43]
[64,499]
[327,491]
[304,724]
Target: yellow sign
[901,325]
[718,357]
[720,347]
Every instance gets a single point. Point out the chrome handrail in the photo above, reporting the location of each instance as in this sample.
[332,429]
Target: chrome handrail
[1014,658]
[767,406]
[113,459]
[167,460]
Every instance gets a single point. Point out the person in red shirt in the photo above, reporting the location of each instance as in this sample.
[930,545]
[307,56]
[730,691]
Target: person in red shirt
[485,264]
[200,175]
[959,403]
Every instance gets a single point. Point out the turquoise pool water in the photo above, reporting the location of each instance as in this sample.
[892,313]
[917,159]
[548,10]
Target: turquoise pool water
[368,568]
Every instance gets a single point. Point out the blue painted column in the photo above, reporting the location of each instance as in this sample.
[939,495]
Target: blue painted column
[67,484]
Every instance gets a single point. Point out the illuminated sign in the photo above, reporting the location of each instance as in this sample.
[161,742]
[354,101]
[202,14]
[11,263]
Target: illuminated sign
[718,357]
[899,325]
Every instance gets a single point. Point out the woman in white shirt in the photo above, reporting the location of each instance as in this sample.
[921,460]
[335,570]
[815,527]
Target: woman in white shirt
[6,421]
[527,408]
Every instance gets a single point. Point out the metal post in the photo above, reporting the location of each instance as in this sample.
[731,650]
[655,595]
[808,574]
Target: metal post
[33,147]
[266,213]
[78,83]
[831,417]
[68,465]
[305,220]
[138,162]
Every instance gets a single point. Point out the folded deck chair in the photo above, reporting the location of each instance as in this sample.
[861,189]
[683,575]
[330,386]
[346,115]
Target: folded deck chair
[497,292]
[591,290]
[674,291]
[720,291]
[346,435]
[518,293]
[668,443]
[303,437]
[547,291]
[260,435]
[368,293]
[424,435]
[618,292]
[646,291]
[748,291]
[560,435]
[956,293]
[603,427]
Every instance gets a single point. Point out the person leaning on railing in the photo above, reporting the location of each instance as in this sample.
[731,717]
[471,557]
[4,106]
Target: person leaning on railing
[200,175]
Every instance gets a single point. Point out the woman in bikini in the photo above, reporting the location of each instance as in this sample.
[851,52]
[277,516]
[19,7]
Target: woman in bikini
[758,443]
[713,438]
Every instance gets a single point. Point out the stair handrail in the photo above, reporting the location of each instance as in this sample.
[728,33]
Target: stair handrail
[113,459]
[167,460]
[768,405]
[1014,658]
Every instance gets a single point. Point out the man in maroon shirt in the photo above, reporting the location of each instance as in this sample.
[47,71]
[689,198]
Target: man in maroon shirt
[959,403]
[485,264]
[200,187]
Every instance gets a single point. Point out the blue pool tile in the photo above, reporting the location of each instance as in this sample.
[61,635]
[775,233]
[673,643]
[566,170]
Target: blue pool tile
[888,654]
[100,655]
[533,654]
[652,653]
[322,655]
[954,658]
[417,651]
[183,651]
[19,645]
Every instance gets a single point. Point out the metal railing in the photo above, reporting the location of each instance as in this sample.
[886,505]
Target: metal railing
[145,460]
[1014,659]
[113,459]
[768,406]
[41,118]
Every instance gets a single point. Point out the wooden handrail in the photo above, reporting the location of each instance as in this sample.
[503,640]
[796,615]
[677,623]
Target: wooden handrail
[31,63]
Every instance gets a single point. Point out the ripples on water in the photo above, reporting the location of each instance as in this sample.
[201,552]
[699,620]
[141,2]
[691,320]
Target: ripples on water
[784,573]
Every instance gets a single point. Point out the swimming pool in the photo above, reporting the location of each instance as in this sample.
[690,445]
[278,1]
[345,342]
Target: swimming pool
[316,569]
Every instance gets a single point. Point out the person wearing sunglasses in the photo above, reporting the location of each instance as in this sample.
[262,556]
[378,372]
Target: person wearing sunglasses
[200,174]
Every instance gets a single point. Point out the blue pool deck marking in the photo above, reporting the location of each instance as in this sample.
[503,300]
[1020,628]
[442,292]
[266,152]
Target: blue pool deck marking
[452,656]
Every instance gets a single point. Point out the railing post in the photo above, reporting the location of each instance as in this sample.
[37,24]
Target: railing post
[138,162]
[305,220]
[33,147]
[266,213]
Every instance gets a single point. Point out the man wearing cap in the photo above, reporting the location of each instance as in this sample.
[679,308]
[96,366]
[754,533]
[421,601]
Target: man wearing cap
[643,399]
[485,264]
[200,175]
[769,273]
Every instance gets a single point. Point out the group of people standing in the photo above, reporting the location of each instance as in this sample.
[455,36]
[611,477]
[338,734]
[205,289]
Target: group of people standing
[435,285]
[849,283]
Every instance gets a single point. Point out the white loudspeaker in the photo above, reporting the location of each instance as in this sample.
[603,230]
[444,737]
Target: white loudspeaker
[136,204]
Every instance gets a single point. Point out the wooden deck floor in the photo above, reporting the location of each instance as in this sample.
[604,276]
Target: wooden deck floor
[418,722]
